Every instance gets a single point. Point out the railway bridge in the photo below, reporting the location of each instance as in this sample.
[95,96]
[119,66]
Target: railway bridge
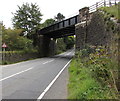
[87,27]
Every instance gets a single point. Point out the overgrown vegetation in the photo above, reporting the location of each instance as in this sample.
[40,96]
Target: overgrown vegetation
[60,46]
[112,11]
[94,70]
[27,18]
[16,44]
[91,75]
[14,41]
[64,44]
[10,56]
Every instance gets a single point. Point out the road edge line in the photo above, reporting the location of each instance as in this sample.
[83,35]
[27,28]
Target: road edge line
[53,81]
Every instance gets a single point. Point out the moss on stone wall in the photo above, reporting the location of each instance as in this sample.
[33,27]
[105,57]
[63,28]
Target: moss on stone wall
[10,57]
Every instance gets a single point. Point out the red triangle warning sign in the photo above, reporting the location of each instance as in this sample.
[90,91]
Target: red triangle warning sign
[4,45]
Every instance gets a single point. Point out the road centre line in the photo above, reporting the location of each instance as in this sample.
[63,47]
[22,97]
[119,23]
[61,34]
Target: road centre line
[3,66]
[68,54]
[15,74]
[48,87]
[19,63]
[48,61]
[23,71]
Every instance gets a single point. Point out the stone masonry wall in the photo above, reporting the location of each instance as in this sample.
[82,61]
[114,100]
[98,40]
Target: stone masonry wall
[46,46]
[95,31]
[17,57]
[92,32]
[96,34]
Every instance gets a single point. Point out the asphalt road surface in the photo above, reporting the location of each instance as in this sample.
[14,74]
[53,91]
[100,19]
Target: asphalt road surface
[33,79]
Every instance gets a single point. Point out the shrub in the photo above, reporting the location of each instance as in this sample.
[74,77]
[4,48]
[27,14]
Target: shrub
[60,46]
[14,41]
[91,77]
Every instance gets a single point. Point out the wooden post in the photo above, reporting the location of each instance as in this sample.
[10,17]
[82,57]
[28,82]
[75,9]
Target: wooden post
[104,3]
[96,5]
[115,2]
[109,2]
[3,54]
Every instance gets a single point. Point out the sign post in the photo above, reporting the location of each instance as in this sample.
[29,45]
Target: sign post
[4,46]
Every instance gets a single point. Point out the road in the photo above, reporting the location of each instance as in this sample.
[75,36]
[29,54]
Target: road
[33,79]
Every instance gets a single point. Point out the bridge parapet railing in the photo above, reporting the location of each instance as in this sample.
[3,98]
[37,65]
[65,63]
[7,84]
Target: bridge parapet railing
[67,22]
[103,3]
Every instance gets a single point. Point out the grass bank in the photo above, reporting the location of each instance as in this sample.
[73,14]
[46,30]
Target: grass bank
[113,11]
[91,76]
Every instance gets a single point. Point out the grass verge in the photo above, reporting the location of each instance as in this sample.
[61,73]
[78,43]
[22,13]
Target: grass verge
[91,78]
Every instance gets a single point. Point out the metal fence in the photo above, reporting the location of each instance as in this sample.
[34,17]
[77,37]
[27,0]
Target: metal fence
[103,3]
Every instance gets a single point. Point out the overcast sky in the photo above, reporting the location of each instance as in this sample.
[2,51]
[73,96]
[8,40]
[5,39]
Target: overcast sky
[49,8]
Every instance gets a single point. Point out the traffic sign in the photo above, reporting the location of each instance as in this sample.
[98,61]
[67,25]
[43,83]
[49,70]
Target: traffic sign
[4,45]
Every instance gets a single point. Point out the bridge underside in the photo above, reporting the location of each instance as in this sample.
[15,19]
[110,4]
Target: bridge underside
[48,35]
[60,29]
[59,33]
[48,40]
[68,31]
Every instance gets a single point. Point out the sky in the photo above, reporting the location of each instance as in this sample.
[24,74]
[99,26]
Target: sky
[49,8]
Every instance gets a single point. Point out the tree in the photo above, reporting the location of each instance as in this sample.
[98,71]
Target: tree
[48,22]
[69,41]
[28,18]
[60,46]
[59,17]
[14,41]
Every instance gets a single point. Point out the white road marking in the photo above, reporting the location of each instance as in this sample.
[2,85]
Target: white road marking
[68,54]
[23,70]
[48,61]
[15,74]
[19,63]
[26,69]
[48,87]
